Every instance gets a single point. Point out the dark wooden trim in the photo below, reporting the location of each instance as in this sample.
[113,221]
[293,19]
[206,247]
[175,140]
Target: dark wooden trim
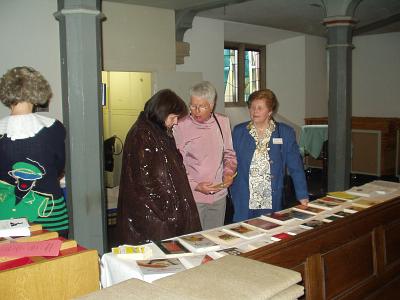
[345,259]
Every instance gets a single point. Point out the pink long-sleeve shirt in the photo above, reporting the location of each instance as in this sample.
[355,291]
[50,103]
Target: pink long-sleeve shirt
[206,156]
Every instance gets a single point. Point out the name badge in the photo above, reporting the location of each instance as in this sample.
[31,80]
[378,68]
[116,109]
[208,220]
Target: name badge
[278,141]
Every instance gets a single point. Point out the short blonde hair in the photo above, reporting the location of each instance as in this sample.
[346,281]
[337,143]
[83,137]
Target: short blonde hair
[24,84]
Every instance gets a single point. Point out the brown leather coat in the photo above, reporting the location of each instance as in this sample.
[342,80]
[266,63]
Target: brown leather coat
[155,200]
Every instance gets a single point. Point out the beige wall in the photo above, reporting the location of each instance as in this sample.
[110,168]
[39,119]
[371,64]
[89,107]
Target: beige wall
[206,40]
[138,38]
[376,75]
[30,37]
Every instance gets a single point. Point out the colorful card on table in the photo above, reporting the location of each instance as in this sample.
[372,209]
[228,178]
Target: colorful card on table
[279,217]
[313,223]
[280,236]
[221,237]
[300,215]
[323,204]
[309,209]
[343,195]
[28,249]
[246,232]
[262,224]
[172,248]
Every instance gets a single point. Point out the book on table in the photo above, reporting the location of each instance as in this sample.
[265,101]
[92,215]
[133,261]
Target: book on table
[262,224]
[243,231]
[280,236]
[323,204]
[172,248]
[281,218]
[158,268]
[198,243]
[370,189]
[333,200]
[344,196]
[222,237]
[301,215]
[308,209]
[366,203]
[313,223]
[14,227]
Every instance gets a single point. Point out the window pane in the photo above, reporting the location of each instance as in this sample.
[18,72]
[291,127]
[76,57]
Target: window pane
[252,72]
[231,75]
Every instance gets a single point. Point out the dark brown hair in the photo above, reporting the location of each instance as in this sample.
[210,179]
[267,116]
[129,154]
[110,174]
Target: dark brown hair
[162,104]
[268,96]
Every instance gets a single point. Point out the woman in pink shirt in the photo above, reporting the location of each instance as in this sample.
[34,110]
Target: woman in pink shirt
[205,142]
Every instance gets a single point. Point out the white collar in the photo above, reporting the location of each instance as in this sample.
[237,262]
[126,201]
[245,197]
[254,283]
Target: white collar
[19,127]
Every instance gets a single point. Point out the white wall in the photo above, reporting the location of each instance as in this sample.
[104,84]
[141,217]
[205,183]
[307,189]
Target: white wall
[376,75]
[138,38]
[30,37]
[206,39]
[285,68]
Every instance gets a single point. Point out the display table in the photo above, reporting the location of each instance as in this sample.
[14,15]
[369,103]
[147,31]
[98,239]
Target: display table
[350,258]
[312,138]
[74,272]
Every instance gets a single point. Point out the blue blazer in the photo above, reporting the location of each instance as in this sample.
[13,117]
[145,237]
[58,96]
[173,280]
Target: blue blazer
[282,155]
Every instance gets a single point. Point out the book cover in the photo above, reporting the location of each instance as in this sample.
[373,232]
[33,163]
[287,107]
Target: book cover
[262,224]
[309,209]
[365,203]
[343,195]
[280,236]
[14,227]
[172,248]
[334,200]
[313,224]
[323,204]
[157,268]
[221,237]
[198,243]
[243,231]
[279,217]
[301,215]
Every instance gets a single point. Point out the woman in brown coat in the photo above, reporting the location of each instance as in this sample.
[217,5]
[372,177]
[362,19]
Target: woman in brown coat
[155,200]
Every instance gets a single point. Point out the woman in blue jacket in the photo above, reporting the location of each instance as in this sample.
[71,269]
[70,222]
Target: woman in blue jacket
[264,149]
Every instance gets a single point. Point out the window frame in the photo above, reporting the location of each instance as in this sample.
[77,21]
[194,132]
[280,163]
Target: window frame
[241,48]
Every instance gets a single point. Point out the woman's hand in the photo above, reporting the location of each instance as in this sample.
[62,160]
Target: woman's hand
[304,201]
[207,188]
[228,180]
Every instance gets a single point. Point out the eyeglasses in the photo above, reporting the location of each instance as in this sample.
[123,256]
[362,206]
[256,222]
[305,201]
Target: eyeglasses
[198,107]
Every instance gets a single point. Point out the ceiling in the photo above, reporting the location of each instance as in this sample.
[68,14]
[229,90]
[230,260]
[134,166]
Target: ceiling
[305,16]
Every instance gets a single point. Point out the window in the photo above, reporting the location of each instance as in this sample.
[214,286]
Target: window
[244,72]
